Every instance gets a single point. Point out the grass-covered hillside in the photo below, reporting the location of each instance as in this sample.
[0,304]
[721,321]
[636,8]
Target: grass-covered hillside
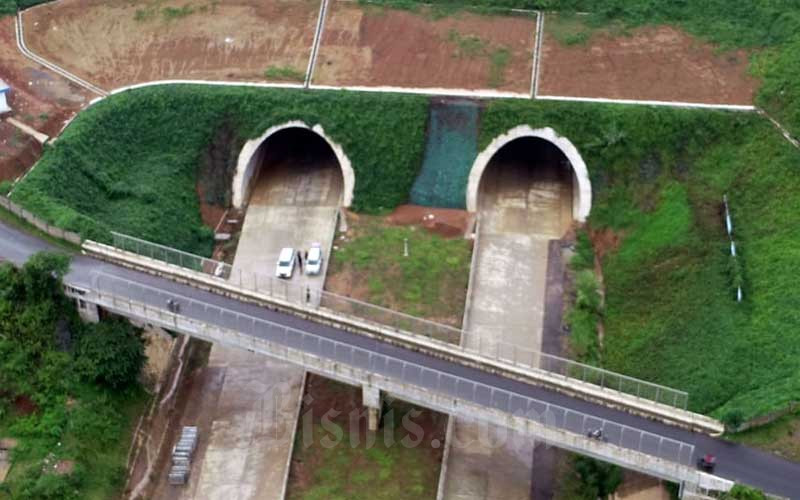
[658,179]
[131,162]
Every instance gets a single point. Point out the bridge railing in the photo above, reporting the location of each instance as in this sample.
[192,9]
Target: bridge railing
[270,286]
[251,332]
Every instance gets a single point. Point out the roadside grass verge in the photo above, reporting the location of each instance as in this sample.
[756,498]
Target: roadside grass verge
[430,283]
[779,437]
[131,162]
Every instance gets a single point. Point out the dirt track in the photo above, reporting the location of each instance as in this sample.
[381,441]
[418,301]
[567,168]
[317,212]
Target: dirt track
[654,63]
[387,47]
[120,44]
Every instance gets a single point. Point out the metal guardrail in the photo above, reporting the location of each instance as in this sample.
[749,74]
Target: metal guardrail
[515,355]
[246,331]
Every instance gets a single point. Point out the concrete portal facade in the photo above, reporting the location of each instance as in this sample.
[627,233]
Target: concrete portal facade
[252,153]
[582,186]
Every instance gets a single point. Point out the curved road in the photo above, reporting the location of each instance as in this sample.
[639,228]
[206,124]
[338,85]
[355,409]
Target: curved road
[736,462]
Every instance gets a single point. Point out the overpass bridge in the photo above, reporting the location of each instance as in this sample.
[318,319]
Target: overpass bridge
[380,366]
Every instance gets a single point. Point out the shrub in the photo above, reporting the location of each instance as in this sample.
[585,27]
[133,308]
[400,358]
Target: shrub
[740,492]
[111,353]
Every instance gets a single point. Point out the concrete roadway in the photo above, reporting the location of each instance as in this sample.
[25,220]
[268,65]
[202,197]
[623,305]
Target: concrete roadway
[736,462]
[519,214]
[293,203]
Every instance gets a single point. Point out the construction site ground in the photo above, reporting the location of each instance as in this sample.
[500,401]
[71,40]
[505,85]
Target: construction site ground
[38,98]
[122,43]
[365,45]
[651,63]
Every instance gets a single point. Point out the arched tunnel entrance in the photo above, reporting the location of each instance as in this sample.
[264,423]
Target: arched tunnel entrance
[296,167]
[291,183]
[527,187]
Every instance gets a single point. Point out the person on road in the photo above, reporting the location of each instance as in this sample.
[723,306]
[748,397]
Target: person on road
[300,261]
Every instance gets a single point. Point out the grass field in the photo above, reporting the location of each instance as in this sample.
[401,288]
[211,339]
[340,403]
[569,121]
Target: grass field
[431,282]
[336,458]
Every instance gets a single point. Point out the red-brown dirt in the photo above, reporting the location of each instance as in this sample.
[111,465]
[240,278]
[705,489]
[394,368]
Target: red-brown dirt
[121,43]
[376,46]
[446,222]
[653,63]
[23,405]
[38,98]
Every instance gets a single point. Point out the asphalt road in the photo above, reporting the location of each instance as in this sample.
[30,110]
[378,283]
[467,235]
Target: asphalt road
[736,462]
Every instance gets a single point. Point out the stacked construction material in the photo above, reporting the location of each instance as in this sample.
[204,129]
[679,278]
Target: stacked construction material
[182,456]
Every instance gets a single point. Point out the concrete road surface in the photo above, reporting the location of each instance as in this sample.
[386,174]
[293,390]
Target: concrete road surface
[519,214]
[251,436]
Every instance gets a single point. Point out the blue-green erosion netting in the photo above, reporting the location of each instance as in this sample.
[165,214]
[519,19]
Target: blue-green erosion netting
[452,145]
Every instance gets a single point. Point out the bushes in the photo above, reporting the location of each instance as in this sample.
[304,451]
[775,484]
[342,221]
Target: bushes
[63,418]
[111,353]
[130,163]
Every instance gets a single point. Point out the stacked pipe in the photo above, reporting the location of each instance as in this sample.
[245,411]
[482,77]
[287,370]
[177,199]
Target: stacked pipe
[182,456]
[729,227]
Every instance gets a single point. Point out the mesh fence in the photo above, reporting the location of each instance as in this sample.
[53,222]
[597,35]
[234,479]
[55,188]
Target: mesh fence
[451,147]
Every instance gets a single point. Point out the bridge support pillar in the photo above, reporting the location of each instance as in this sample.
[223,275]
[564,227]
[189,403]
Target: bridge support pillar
[371,397]
[88,312]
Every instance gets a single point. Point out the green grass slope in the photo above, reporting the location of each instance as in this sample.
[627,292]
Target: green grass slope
[130,163]
[658,179]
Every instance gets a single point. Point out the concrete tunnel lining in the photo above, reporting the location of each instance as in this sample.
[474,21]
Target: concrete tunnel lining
[582,197]
[251,154]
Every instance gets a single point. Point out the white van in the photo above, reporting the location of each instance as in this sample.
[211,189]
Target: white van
[286,260]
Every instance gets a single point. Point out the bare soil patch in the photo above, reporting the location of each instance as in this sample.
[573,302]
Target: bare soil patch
[123,43]
[652,63]
[363,465]
[38,98]
[379,46]
[446,222]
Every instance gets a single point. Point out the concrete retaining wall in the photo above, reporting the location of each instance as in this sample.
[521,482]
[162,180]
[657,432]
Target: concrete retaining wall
[40,224]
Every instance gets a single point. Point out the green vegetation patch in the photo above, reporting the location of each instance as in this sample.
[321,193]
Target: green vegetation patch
[132,162]
[69,393]
[431,282]
[334,457]
[670,315]
[286,73]
[472,46]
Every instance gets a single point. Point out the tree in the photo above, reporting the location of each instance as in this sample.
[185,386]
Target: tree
[598,479]
[110,353]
